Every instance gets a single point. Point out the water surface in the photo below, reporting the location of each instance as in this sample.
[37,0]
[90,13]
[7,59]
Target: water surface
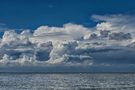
[86,81]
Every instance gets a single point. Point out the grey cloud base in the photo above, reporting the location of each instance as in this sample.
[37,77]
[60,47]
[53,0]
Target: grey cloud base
[109,46]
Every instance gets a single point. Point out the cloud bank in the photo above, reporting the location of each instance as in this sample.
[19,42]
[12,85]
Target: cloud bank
[110,42]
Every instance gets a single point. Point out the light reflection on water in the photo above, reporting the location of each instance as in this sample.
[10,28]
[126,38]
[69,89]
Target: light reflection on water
[67,81]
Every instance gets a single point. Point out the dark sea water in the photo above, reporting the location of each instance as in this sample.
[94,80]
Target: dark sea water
[86,81]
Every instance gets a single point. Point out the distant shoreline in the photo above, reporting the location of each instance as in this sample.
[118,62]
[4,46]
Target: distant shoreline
[67,72]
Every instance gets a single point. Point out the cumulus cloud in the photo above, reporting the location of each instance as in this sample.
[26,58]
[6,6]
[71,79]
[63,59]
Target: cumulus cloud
[115,23]
[72,44]
[67,32]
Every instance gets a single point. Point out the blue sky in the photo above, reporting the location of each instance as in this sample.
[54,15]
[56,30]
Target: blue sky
[34,13]
[89,35]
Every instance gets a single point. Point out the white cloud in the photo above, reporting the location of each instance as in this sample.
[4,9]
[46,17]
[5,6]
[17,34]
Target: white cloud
[67,32]
[117,23]
[71,44]
[104,26]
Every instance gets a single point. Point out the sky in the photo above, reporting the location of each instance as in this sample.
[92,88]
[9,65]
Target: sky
[67,35]
[20,14]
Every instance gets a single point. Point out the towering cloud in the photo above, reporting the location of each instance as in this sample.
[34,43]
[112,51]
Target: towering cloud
[112,42]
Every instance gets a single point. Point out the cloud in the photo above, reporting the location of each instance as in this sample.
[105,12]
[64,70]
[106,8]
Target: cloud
[115,23]
[112,42]
[49,45]
[67,32]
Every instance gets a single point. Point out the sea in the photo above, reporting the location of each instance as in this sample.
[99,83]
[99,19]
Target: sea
[67,81]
